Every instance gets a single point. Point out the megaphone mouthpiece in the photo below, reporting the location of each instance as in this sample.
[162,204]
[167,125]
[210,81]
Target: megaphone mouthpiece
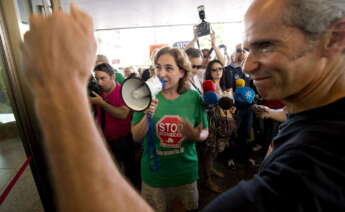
[163,83]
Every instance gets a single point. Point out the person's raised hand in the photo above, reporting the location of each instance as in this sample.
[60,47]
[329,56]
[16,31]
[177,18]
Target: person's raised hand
[261,111]
[213,39]
[97,99]
[195,32]
[59,51]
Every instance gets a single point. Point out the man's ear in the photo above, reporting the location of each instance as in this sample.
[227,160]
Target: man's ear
[336,41]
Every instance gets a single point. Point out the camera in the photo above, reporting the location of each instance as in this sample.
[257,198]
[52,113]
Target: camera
[93,86]
[204,27]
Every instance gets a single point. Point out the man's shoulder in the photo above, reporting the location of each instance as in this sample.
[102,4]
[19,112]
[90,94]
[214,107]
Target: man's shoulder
[316,134]
[228,71]
[310,145]
[326,135]
[323,123]
[229,68]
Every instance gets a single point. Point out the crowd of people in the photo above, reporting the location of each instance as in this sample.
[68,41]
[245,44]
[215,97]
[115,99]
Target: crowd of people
[293,52]
[230,129]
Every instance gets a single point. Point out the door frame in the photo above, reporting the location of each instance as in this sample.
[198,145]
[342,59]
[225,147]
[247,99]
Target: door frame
[22,101]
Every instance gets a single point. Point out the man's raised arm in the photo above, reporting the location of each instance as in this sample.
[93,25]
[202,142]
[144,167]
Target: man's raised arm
[84,175]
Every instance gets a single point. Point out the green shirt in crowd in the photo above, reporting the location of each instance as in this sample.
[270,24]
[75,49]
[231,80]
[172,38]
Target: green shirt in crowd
[177,156]
[119,78]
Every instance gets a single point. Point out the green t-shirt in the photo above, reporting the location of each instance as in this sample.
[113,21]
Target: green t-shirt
[177,156]
[119,78]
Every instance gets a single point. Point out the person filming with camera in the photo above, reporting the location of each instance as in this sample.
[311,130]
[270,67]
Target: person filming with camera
[201,30]
[114,118]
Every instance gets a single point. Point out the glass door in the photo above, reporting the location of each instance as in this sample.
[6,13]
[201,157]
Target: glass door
[24,172]
[15,172]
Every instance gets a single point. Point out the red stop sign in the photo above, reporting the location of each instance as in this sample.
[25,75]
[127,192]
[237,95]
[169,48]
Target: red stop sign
[167,129]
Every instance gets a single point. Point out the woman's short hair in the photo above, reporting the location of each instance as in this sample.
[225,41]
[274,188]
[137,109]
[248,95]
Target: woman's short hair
[182,62]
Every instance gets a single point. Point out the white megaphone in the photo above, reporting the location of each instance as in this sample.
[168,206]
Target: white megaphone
[138,94]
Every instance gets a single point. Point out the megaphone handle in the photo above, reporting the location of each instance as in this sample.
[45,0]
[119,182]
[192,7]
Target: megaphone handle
[151,146]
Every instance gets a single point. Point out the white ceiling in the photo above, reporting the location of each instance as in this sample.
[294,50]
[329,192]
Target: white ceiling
[141,13]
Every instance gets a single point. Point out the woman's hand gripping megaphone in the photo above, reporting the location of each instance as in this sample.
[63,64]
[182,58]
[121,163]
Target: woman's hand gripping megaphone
[152,108]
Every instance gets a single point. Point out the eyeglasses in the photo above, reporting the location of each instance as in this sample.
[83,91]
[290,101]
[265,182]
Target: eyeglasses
[217,69]
[197,67]
[206,56]
[239,50]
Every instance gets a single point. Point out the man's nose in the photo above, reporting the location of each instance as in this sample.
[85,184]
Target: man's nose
[250,64]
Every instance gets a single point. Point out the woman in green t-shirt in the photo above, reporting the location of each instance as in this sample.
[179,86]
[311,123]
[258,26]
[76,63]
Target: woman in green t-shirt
[170,172]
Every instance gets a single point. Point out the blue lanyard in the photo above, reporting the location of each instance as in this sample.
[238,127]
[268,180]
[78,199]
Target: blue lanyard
[151,147]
